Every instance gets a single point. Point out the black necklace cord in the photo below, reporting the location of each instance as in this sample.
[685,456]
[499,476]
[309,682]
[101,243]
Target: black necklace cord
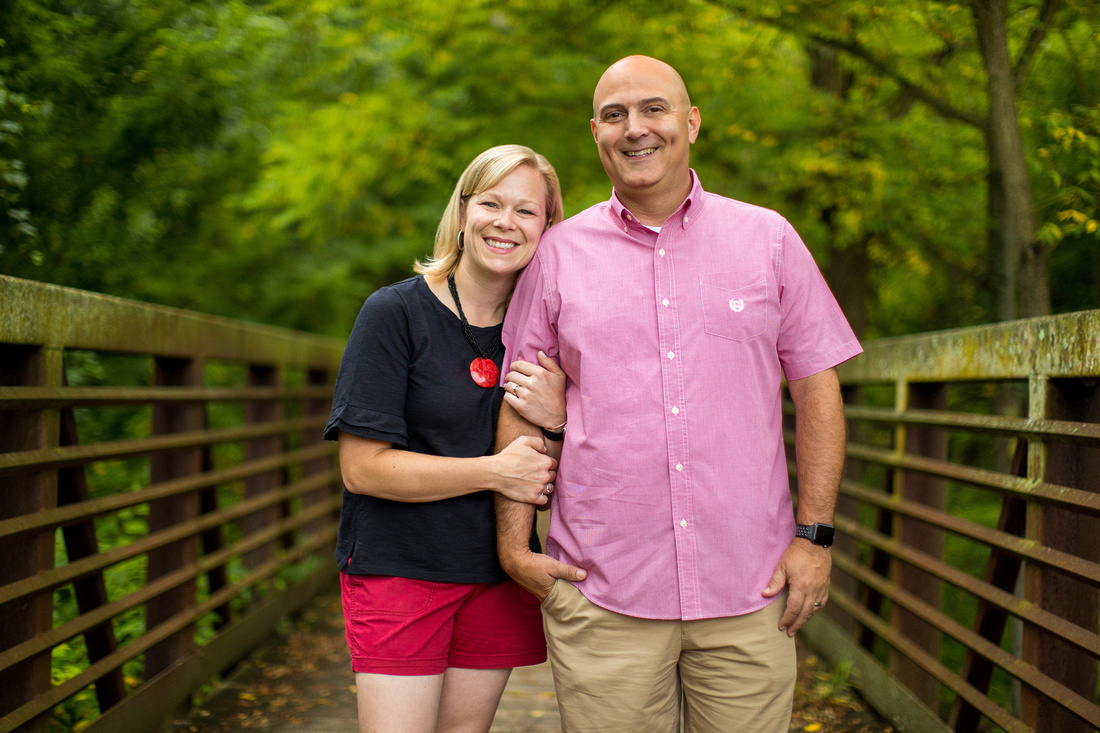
[466,330]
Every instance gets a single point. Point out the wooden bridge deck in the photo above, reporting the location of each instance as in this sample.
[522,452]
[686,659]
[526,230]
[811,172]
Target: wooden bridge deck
[301,681]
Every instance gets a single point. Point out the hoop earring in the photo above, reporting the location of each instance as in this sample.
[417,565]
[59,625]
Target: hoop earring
[461,242]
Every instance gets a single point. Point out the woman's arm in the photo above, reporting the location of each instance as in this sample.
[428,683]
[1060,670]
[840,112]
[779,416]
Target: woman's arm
[374,467]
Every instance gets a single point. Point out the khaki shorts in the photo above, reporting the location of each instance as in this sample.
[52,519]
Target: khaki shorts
[620,673]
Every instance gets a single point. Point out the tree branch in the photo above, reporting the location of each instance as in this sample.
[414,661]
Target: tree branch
[859,51]
[942,106]
[1038,33]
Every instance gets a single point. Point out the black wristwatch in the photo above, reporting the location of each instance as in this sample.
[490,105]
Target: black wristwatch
[819,534]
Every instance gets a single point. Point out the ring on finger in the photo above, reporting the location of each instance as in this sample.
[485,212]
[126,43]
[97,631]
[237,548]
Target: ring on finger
[515,389]
[549,489]
[817,604]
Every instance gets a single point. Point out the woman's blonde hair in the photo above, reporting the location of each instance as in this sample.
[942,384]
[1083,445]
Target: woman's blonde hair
[484,172]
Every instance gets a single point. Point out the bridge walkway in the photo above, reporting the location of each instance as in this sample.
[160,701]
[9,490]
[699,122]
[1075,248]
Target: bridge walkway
[300,681]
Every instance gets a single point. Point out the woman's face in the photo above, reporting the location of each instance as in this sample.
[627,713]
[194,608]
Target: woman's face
[503,223]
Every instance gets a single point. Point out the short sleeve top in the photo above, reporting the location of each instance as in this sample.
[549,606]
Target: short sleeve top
[405,379]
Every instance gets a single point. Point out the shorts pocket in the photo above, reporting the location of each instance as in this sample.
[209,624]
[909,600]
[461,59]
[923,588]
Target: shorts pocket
[735,304]
[388,596]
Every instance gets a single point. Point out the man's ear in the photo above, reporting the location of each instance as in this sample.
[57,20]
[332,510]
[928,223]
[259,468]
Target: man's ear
[694,122]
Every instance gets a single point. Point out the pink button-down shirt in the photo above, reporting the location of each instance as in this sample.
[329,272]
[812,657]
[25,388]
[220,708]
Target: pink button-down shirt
[672,491]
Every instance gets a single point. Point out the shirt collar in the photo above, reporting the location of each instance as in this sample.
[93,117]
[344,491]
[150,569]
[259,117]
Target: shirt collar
[688,212]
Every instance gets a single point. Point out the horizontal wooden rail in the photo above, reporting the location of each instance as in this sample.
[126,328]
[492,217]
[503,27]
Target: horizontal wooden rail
[930,664]
[1017,427]
[80,625]
[1054,494]
[1081,638]
[79,455]
[27,398]
[50,579]
[156,635]
[1023,548]
[205,535]
[1079,705]
[1001,423]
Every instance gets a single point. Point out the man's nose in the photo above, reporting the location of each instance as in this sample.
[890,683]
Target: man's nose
[635,126]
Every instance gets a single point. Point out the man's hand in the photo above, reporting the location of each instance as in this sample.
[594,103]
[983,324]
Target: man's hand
[805,567]
[537,572]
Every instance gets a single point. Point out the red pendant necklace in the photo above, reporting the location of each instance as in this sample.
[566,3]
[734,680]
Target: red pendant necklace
[483,370]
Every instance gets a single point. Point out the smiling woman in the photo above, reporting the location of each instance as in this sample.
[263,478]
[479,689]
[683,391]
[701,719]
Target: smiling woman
[433,623]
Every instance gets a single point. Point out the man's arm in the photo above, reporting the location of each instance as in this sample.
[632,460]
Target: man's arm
[535,572]
[820,438]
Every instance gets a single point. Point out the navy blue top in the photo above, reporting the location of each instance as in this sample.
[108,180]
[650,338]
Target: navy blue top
[405,379]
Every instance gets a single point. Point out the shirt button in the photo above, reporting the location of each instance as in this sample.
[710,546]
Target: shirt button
[687,219]
[683,523]
[671,355]
[675,410]
[631,218]
[679,467]
[626,229]
[665,302]
[661,252]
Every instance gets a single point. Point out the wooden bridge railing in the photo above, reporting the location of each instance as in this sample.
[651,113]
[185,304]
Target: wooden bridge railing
[165,498]
[969,558]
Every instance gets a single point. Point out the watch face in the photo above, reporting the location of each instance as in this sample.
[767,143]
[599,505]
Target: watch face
[823,535]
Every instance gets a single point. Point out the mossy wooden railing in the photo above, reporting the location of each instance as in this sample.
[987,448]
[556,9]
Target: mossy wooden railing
[165,498]
[968,564]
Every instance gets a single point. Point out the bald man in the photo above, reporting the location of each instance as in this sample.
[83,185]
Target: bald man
[676,572]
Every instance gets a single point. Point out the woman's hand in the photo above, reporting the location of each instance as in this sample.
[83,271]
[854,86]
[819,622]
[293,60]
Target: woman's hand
[537,392]
[525,473]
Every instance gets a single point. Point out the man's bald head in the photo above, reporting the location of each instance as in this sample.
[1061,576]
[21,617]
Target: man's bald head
[644,125]
[641,67]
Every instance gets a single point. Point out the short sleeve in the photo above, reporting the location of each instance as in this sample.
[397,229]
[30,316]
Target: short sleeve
[814,335]
[369,399]
[531,322]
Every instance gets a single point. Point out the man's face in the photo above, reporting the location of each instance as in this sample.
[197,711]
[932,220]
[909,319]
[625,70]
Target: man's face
[643,126]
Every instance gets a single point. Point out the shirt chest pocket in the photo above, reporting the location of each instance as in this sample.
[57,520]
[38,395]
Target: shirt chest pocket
[735,304]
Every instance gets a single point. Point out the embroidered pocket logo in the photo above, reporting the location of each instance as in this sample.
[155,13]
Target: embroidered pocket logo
[737,305]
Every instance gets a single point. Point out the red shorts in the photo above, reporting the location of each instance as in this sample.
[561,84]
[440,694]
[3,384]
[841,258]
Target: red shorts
[403,626]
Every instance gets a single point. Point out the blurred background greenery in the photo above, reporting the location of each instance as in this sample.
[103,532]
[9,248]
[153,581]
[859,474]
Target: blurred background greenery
[278,160]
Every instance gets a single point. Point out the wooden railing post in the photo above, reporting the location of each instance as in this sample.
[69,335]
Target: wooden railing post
[846,506]
[316,378]
[1071,532]
[165,513]
[91,592]
[926,490]
[256,448]
[21,495]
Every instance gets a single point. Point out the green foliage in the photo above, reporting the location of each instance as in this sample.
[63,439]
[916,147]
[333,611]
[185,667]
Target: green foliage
[277,161]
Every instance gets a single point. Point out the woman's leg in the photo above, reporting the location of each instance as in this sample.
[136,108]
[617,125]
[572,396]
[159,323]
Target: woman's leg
[398,703]
[469,699]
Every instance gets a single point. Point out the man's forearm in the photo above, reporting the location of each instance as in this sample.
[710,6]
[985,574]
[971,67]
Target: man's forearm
[820,437]
[514,519]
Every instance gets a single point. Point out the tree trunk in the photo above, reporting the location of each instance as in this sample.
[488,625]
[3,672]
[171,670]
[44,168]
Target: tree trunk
[846,269]
[1020,266]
